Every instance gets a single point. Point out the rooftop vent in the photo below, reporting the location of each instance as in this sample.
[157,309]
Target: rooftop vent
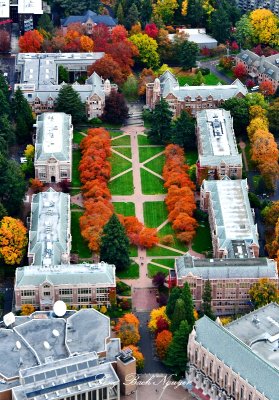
[18,345]
[59,308]
[9,319]
[55,333]
[46,345]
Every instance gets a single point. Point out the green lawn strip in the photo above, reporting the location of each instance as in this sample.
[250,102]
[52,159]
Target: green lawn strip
[114,134]
[126,151]
[202,241]
[156,164]
[126,209]
[154,269]
[229,74]
[150,183]
[210,79]
[155,213]
[122,185]
[256,179]
[131,273]
[74,206]
[74,192]
[78,137]
[133,251]
[75,171]
[158,251]
[167,230]
[168,262]
[119,164]
[191,157]
[251,164]
[79,245]
[122,141]
[147,152]
[123,289]
[143,140]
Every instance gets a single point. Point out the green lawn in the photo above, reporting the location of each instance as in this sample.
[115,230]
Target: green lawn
[150,183]
[122,185]
[256,179]
[126,151]
[157,164]
[75,172]
[168,262]
[202,241]
[118,164]
[123,289]
[143,140]
[73,192]
[122,141]
[155,213]
[78,137]
[191,157]
[154,269]
[147,152]
[158,251]
[79,245]
[126,209]
[210,79]
[131,273]
[133,251]
[114,134]
[167,230]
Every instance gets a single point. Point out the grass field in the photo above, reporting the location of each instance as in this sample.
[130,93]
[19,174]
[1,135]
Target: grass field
[147,152]
[122,185]
[77,137]
[154,269]
[126,209]
[156,164]
[158,251]
[210,79]
[143,140]
[131,273]
[121,141]
[79,245]
[151,184]
[168,262]
[167,230]
[202,241]
[119,164]
[75,172]
[126,151]
[114,134]
[155,213]
[191,157]
[133,251]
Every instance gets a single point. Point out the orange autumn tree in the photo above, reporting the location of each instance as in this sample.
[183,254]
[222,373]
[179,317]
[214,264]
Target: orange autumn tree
[13,240]
[137,354]
[163,340]
[267,89]
[138,234]
[127,329]
[31,42]
[180,199]
[27,309]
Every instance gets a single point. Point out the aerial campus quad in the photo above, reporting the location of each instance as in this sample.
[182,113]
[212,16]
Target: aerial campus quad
[66,333]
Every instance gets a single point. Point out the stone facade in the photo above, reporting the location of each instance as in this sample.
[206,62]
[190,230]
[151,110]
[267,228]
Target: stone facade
[192,98]
[250,5]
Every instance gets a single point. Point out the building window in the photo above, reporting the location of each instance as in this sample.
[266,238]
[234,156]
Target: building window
[46,293]
[64,173]
[233,387]
[82,299]
[102,290]
[210,367]
[28,301]
[28,293]
[65,291]
[67,300]
[84,291]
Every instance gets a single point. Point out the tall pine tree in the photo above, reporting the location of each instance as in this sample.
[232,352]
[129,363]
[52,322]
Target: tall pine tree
[114,247]
[176,357]
[183,131]
[160,130]
[206,301]
[23,117]
[179,315]
[69,102]
[189,306]
[175,294]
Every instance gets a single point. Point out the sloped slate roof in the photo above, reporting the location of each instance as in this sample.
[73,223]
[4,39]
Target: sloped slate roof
[238,356]
[98,19]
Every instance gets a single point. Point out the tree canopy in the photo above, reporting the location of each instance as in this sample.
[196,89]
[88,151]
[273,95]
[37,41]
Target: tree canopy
[69,102]
[13,240]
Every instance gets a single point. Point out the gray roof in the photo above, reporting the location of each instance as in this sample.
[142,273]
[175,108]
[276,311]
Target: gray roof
[220,268]
[53,139]
[217,145]
[63,378]
[170,85]
[74,274]
[49,234]
[265,65]
[238,356]
[235,227]
[98,19]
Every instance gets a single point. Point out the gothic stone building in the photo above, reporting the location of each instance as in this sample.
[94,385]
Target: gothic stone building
[193,98]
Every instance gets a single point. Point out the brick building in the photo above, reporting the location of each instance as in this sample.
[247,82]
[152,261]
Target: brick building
[217,148]
[193,98]
[233,230]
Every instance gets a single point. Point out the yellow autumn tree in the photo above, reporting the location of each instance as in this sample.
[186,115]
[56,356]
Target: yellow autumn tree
[259,123]
[27,309]
[184,8]
[257,111]
[164,10]
[138,356]
[13,240]
[155,315]
[263,292]
[270,173]
[265,27]
[263,147]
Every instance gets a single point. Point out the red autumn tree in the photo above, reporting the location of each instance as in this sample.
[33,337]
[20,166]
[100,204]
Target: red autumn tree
[162,325]
[163,340]
[118,34]
[31,42]
[151,30]
[5,41]
[239,71]
[266,88]
[107,68]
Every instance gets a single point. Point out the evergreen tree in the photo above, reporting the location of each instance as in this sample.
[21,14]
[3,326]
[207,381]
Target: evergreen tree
[175,294]
[114,247]
[63,74]
[132,16]
[5,105]
[220,25]
[239,109]
[160,130]
[187,54]
[120,14]
[69,102]
[183,131]
[189,306]
[77,7]
[3,211]
[179,315]
[7,134]
[199,79]
[176,357]
[23,117]
[4,86]
[206,301]
[115,110]
[195,14]
[45,23]
[146,11]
